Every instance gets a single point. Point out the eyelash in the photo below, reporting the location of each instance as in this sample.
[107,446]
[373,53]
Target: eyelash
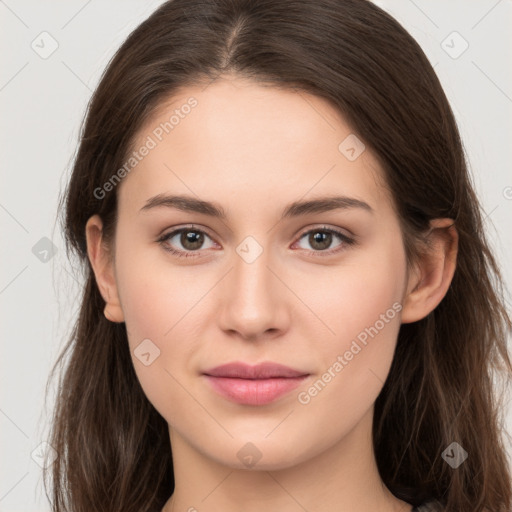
[347,241]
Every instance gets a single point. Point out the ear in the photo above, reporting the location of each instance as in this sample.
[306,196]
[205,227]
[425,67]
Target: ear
[431,278]
[103,267]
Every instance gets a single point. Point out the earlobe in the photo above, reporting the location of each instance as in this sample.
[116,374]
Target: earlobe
[102,265]
[429,283]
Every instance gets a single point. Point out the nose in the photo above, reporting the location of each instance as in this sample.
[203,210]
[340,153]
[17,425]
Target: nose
[253,298]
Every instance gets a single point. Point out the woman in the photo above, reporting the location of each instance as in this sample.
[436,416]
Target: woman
[290,300]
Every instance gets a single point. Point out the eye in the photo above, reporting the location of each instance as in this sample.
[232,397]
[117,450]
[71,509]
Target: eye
[192,239]
[321,239]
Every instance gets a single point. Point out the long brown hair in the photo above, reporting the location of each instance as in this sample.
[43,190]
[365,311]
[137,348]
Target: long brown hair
[113,448]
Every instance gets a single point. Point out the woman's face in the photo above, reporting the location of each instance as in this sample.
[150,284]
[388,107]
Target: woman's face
[256,285]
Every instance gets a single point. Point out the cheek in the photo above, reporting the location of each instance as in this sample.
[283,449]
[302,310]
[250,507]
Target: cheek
[162,309]
[156,318]
[361,304]
[158,305]
[363,290]
[154,295]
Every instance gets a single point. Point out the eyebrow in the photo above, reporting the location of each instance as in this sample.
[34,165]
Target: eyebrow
[295,209]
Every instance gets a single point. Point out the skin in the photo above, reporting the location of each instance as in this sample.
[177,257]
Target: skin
[254,149]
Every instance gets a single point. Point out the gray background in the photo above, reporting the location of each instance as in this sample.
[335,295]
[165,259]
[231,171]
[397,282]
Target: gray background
[42,101]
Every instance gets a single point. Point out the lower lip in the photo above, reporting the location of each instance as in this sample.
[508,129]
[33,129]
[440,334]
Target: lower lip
[254,391]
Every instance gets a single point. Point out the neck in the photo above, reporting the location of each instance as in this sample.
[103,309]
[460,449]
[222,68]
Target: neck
[341,477]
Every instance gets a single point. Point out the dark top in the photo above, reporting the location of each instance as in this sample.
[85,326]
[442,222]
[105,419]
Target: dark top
[429,506]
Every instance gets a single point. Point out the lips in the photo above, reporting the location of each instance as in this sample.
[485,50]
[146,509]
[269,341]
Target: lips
[254,385]
[265,370]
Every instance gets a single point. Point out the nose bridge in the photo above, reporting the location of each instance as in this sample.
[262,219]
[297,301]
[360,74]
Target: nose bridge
[252,300]
[251,274]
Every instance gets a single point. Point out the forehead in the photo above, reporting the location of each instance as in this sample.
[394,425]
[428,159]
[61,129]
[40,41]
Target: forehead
[235,137]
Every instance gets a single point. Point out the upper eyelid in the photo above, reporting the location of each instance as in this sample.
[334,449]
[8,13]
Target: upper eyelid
[176,231]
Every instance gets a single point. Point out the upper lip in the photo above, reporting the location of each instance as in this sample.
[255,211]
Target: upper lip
[265,370]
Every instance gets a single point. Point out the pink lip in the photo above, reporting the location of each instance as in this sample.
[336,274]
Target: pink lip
[254,385]
[254,391]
